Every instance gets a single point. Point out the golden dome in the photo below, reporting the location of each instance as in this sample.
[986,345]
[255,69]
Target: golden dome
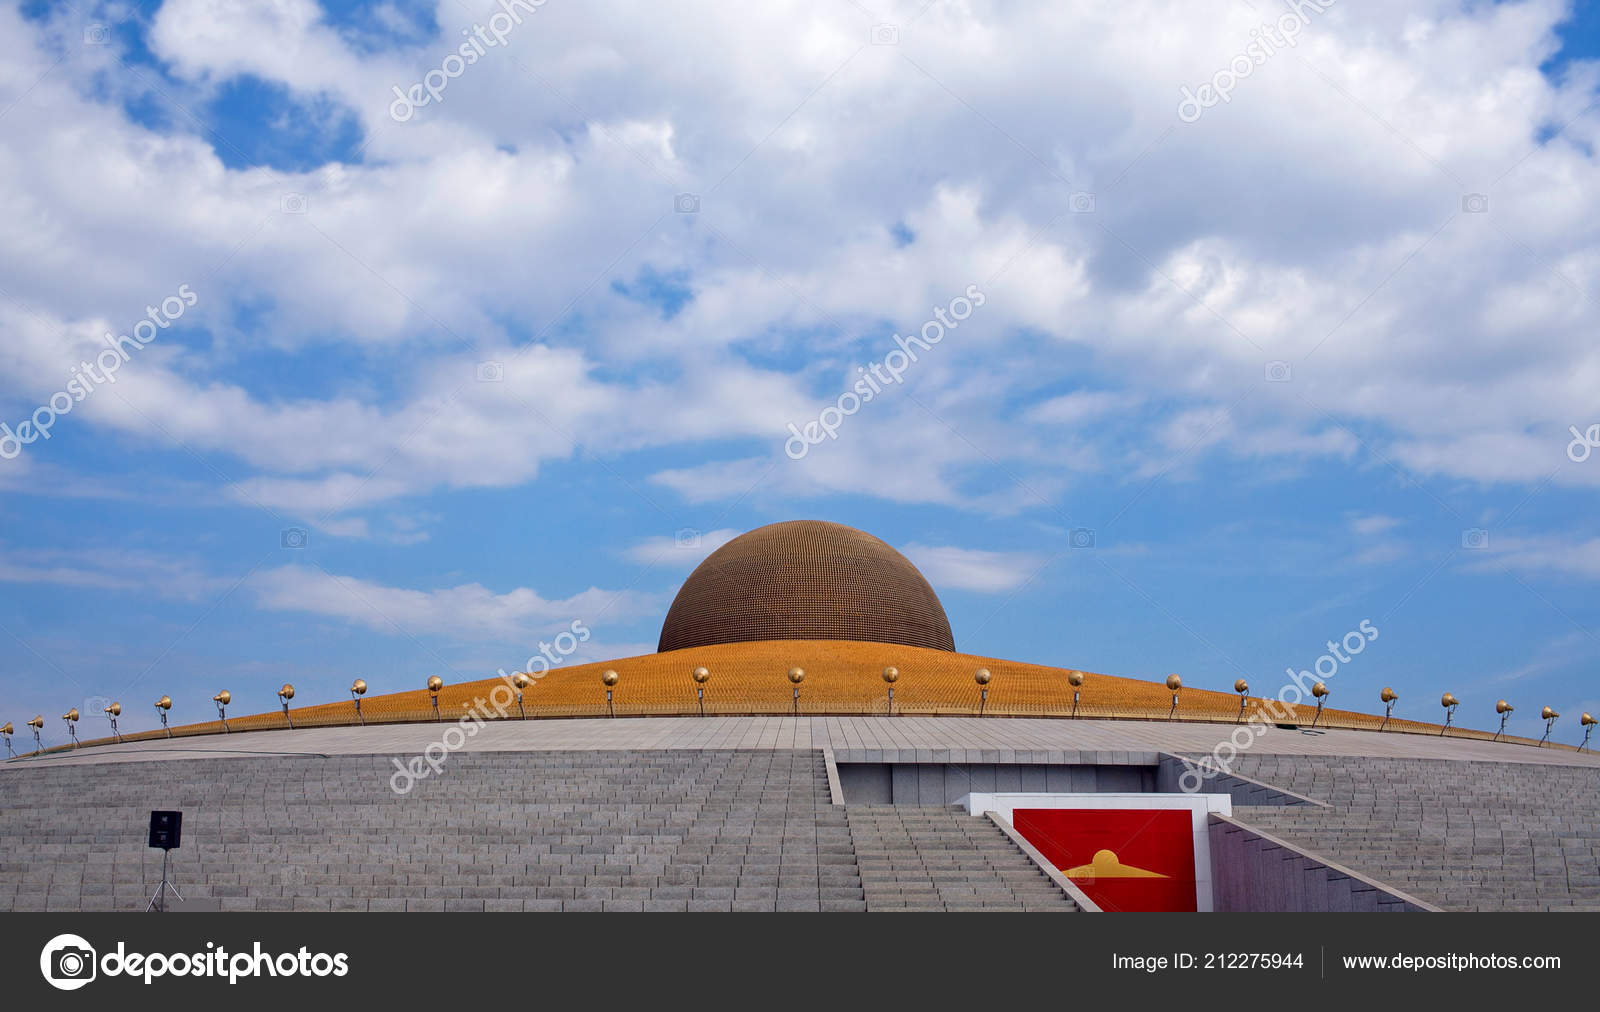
[806,580]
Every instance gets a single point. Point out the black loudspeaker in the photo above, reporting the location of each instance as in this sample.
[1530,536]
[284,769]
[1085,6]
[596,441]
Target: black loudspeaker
[166,830]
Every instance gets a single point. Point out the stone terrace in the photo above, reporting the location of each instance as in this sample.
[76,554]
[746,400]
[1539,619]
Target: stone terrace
[929,858]
[531,831]
[1461,835]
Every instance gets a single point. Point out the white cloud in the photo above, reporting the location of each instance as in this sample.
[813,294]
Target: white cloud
[111,569]
[1082,406]
[1541,554]
[1369,524]
[466,611]
[684,549]
[950,568]
[548,172]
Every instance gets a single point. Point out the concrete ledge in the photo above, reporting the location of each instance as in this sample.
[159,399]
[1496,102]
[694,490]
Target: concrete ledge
[992,757]
[835,789]
[1242,789]
[1018,741]
[1084,903]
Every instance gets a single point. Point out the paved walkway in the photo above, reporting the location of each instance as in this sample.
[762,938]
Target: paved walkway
[904,739]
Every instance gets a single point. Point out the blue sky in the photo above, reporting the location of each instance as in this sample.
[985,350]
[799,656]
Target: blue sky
[1307,358]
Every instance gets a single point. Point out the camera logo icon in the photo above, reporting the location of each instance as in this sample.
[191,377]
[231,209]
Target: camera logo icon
[293,203]
[491,372]
[1278,371]
[687,537]
[885,35]
[686,203]
[1081,203]
[292,537]
[1081,537]
[97,34]
[68,962]
[1475,203]
[1474,538]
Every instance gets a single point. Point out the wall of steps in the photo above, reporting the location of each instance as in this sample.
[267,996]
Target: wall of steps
[1464,836]
[678,830]
[941,859]
[669,830]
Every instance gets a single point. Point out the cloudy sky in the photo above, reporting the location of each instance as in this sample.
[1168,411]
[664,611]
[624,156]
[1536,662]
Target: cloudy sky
[465,321]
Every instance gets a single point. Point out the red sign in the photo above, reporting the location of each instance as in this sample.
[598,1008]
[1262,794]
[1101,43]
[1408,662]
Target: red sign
[1123,859]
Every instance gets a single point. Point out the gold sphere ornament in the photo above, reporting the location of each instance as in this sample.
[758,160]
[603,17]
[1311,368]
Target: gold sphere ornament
[1448,700]
[891,674]
[1320,689]
[1501,706]
[1242,687]
[359,686]
[797,675]
[164,703]
[702,675]
[610,677]
[521,680]
[1174,682]
[1075,679]
[115,709]
[1388,695]
[982,676]
[435,683]
[287,692]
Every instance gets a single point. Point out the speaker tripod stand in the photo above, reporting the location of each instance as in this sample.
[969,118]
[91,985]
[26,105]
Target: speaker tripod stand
[158,902]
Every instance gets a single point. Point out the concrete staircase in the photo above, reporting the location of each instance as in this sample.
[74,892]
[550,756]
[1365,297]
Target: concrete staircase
[1464,836]
[537,831]
[496,831]
[926,858]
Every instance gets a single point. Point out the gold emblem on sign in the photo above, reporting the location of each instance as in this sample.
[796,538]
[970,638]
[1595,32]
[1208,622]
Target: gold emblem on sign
[1106,865]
